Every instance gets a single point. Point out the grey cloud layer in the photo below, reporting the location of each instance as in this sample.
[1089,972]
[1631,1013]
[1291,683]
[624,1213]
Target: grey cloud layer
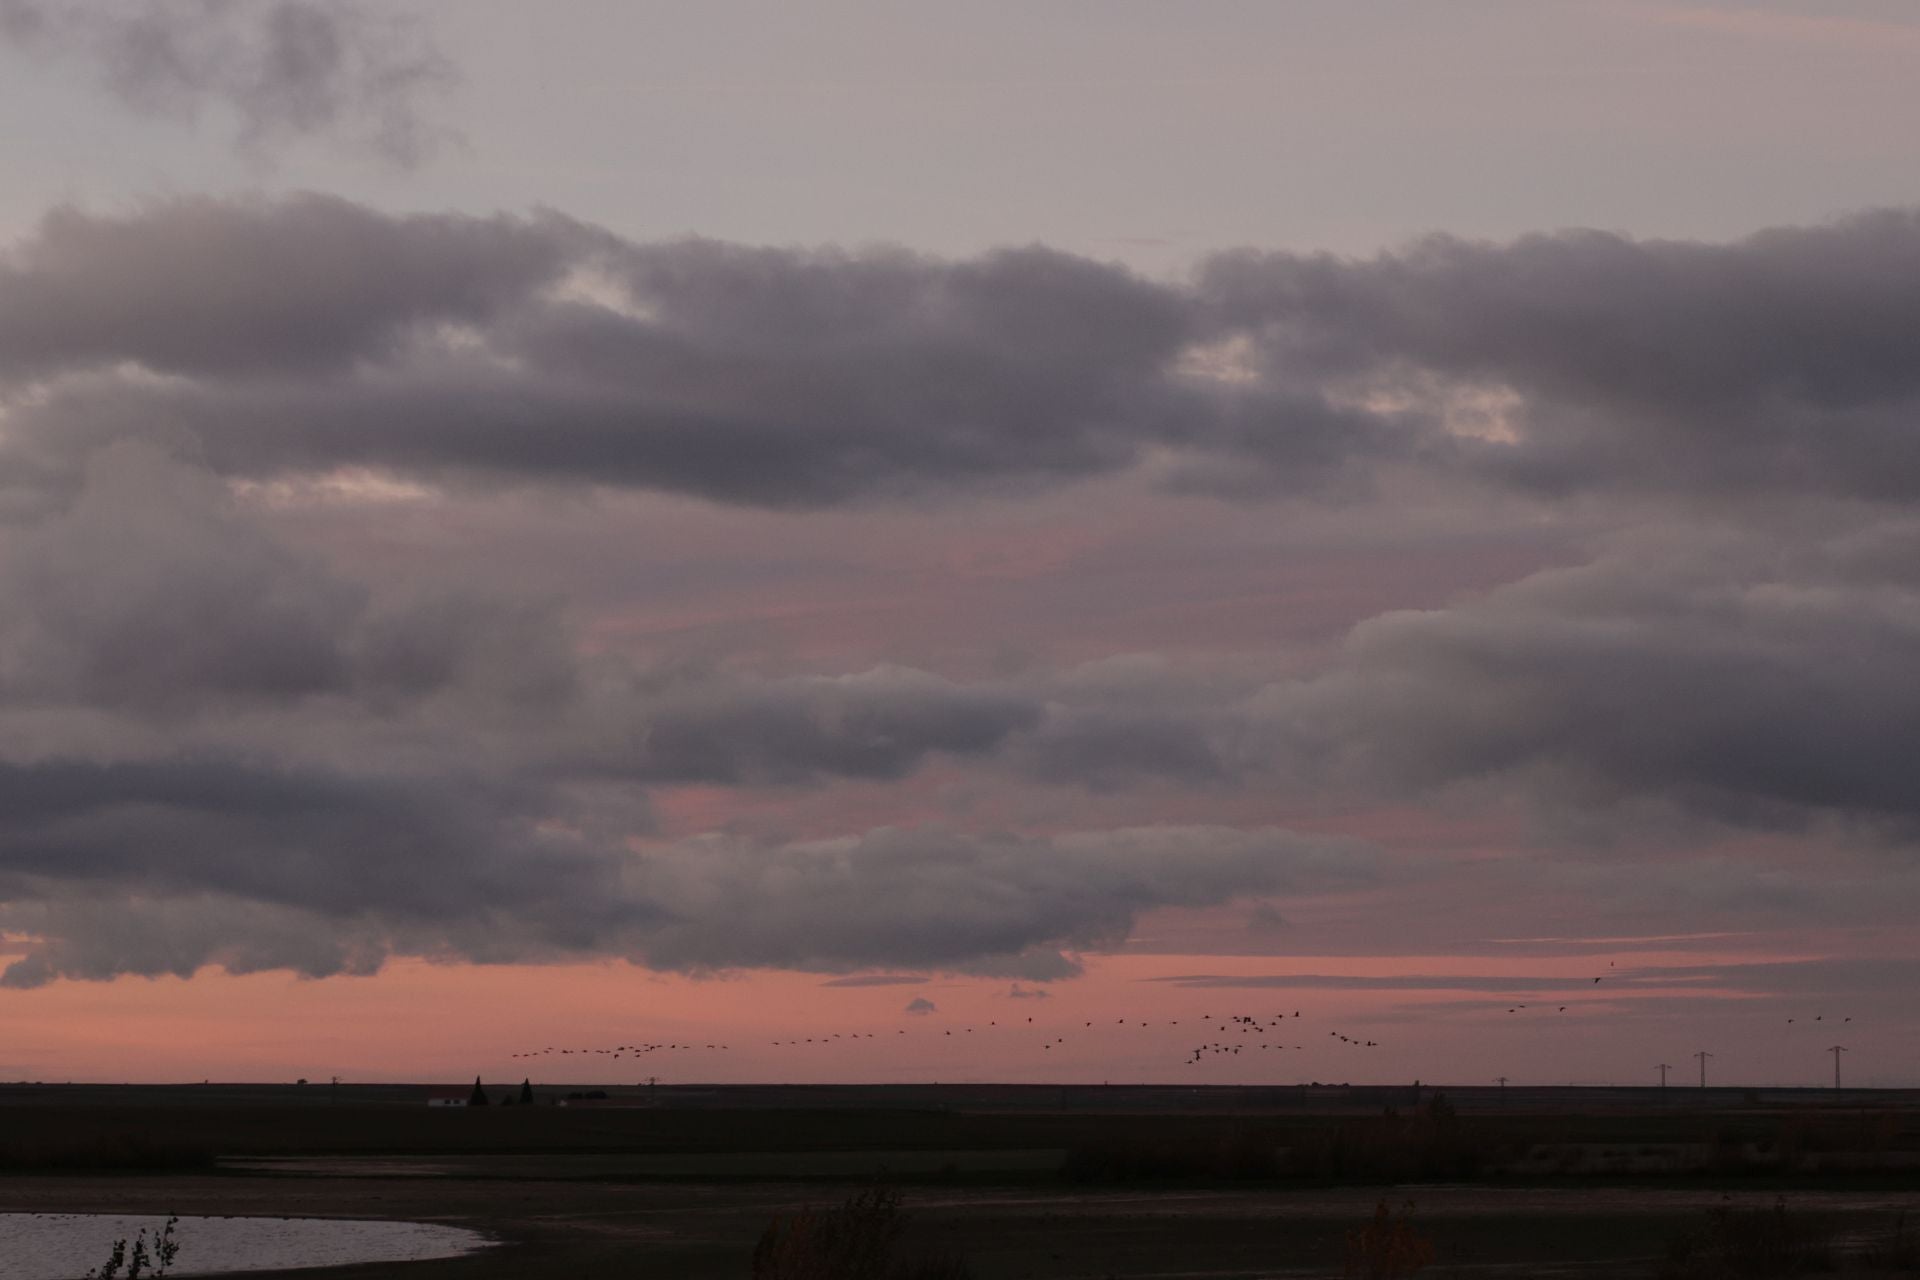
[150,595]
[323,875]
[1782,362]
[202,723]
[309,334]
[1754,680]
[541,351]
[1687,674]
[283,68]
[209,289]
[216,749]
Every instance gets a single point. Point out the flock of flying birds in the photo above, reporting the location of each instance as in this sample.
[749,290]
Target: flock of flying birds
[1228,1036]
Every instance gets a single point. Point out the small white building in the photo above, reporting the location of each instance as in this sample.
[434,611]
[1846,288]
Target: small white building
[448,1097]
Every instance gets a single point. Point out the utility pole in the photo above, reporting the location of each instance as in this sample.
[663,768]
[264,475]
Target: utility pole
[1664,1068]
[1836,1051]
[1502,1082]
[1703,1055]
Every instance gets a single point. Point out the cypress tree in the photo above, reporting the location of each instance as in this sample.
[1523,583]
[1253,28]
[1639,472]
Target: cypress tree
[478,1098]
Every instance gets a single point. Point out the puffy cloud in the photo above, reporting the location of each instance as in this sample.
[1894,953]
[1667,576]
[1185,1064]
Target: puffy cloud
[282,68]
[151,594]
[153,597]
[1016,905]
[921,1006]
[1748,679]
[221,746]
[205,288]
[220,749]
[541,351]
[1585,361]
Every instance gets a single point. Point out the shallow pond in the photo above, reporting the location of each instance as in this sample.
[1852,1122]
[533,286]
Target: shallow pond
[65,1246]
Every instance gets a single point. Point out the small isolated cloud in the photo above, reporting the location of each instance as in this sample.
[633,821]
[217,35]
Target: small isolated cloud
[877,980]
[1018,992]
[920,1006]
[286,69]
[1264,919]
[1362,982]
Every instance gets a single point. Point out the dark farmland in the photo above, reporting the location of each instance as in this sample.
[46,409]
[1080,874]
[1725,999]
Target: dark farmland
[1021,1180]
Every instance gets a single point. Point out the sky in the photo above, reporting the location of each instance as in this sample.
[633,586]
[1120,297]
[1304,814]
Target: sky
[991,539]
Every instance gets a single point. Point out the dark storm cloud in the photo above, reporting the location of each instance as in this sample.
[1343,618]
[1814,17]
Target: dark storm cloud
[282,68]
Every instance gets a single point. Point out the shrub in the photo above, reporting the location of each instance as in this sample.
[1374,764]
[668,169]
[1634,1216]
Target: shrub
[1388,1247]
[1898,1250]
[139,1261]
[1734,1244]
[856,1241]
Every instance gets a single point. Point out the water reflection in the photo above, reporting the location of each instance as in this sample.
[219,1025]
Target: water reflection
[64,1246]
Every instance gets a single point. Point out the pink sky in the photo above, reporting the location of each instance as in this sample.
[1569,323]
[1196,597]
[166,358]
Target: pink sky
[711,526]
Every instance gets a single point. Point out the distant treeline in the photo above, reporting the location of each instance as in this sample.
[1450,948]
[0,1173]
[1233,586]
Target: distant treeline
[1433,1140]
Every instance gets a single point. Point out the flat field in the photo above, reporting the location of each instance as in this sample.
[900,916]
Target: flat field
[1020,1181]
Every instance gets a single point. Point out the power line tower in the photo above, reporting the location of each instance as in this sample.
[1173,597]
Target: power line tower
[1703,1055]
[1836,1050]
[1664,1068]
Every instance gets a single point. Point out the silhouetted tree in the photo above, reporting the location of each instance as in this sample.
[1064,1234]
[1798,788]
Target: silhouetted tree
[526,1093]
[478,1098]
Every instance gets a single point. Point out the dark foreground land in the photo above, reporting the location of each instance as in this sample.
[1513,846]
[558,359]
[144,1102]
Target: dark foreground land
[1025,1181]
